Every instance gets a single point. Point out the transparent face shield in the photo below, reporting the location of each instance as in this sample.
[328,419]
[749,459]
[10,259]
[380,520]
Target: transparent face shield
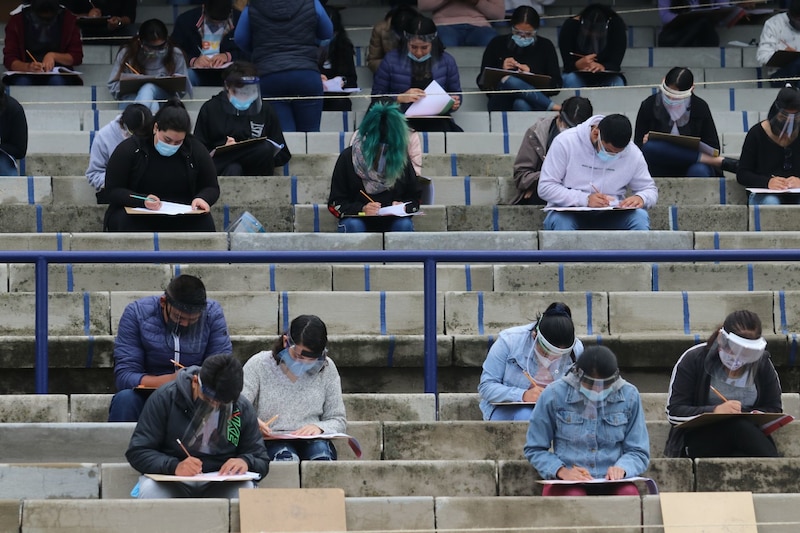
[185,326]
[595,390]
[244,94]
[300,361]
[785,125]
[737,359]
[207,432]
[547,352]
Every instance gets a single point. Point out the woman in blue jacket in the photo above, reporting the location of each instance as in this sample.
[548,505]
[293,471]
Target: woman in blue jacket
[406,71]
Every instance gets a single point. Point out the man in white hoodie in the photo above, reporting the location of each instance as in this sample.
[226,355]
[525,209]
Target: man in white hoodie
[593,165]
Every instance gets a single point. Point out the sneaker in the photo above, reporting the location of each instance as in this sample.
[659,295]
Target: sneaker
[730,165]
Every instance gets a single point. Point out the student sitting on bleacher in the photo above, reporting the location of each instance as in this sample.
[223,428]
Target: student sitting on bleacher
[592,46]
[406,71]
[205,34]
[522,51]
[594,421]
[158,335]
[770,157]
[104,20]
[729,373]
[13,133]
[698,30]
[168,164]
[675,109]
[465,23]
[388,33]
[337,59]
[238,114]
[150,53]
[781,32]
[199,423]
[135,120]
[41,36]
[594,165]
[375,173]
[536,143]
[526,359]
[295,388]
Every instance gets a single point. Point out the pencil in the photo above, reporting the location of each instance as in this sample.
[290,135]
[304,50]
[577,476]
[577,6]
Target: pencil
[31,56]
[146,199]
[530,378]
[132,69]
[365,195]
[269,422]
[174,362]
[576,55]
[718,393]
[183,448]
[595,188]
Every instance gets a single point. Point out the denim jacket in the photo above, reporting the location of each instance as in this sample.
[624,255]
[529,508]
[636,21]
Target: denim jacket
[502,379]
[616,437]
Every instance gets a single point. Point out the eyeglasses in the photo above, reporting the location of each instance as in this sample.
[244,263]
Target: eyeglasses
[788,161]
[523,34]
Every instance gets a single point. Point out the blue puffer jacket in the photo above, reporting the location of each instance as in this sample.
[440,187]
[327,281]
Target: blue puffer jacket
[394,74]
[144,346]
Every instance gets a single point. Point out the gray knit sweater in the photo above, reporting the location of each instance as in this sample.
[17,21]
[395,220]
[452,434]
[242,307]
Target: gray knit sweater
[312,399]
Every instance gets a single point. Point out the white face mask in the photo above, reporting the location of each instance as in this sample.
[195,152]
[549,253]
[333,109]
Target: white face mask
[730,361]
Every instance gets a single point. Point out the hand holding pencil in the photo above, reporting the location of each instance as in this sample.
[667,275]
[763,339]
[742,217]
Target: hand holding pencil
[532,394]
[191,466]
[370,209]
[727,406]
[265,426]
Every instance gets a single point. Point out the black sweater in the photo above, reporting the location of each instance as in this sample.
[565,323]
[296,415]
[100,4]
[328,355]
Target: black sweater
[13,128]
[610,56]
[761,158]
[701,123]
[540,57]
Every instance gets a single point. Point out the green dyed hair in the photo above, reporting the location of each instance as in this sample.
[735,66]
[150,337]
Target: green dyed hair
[384,123]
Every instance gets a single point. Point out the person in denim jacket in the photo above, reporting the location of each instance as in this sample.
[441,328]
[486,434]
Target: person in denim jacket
[595,422]
[524,360]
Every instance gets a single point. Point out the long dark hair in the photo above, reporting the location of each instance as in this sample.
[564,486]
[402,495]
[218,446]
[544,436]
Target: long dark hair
[738,322]
[173,116]
[340,49]
[556,325]
[150,30]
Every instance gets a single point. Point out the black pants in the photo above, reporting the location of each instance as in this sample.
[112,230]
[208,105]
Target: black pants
[735,437]
[255,160]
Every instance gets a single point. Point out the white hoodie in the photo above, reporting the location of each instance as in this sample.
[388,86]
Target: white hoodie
[572,168]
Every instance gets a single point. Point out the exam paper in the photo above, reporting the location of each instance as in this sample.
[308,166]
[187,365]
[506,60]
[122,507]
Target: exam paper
[435,102]
[167,208]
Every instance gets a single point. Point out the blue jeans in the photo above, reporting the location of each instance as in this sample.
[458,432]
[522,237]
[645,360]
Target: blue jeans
[512,412]
[465,35]
[8,166]
[580,79]
[792,70]
[668,160]
[295,115]
[301,450]
[636,219]
[127,405]
[773,199]
[522,101]
[149,94]
[375,224]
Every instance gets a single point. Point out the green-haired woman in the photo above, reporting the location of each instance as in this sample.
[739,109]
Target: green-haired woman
[374,174]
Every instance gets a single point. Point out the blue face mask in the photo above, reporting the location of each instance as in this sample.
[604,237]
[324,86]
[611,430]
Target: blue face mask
[324,42]
[298,368]
[419,59]
[603,154]
[167,150]
[522,42]
[596,395]
[242,105]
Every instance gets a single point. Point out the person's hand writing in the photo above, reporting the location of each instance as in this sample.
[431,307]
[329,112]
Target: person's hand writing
[598,199]
[632,201]
[201,61]
[198,204]
[576,473]
[793,182]
[510,63]
[153,203]
[48,61]
[371,208]
[585,62]
[265,429]
[191,466]
[35,67]
[729,407]
[523,67]
[229,140]
[778,183]
[114,23]
[532,394]
[233,466]
[310,429]
[456,102]
[615,472]
[410,96]
[645,138]
[94,13]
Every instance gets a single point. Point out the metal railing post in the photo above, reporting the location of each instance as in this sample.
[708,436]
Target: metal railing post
[42,364]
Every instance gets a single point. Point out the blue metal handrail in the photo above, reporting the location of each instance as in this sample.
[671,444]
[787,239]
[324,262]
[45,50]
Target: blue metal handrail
[429,258]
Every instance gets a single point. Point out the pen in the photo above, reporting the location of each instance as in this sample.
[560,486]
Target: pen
[365,195]
[132,69]
[718,393]
[183,448]
[174,362]
[595,188]
[143,198]
[31,56]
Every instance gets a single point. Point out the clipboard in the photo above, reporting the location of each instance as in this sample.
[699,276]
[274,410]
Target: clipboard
[707,419]
[93,22]
[491,76]
[235,147]
[722,15]
[781,58]
[207,476]
[167,209]
[131,83]
[686,141]
[351,441]
[73,77]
